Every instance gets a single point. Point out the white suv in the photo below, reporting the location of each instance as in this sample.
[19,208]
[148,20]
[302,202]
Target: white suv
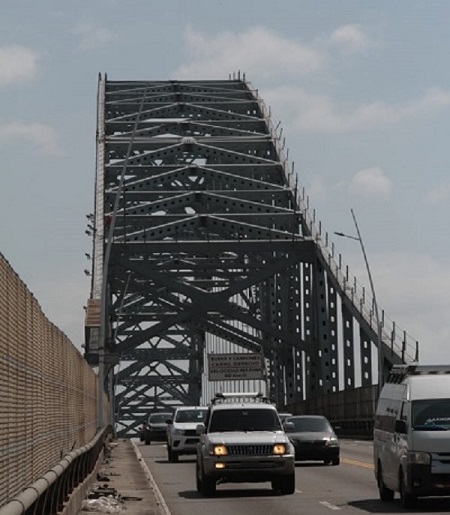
[182,437]
[244,441]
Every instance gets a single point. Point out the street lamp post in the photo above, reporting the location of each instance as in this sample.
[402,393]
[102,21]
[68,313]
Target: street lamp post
[375,304]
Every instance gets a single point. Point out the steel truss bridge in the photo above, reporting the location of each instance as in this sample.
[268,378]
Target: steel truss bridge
[202,235]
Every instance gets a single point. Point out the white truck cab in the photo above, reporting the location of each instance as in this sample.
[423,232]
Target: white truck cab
[411,441]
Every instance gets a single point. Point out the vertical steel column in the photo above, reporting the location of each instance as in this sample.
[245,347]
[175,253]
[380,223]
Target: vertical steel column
[349,357]
[366,358]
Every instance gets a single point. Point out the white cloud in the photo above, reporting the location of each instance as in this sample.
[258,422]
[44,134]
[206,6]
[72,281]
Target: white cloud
[370,182]
[259,52]
[92,37]
[41,135]
[409,292]
[434,98]
[315,113]
[437,195]
[350,38]
[17,64]
[317,188]
[410,288]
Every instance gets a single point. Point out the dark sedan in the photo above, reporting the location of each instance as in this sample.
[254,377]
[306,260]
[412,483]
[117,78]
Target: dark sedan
[156,427]
[313,438]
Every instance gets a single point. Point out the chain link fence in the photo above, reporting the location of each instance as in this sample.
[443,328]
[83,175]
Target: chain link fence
[48,393]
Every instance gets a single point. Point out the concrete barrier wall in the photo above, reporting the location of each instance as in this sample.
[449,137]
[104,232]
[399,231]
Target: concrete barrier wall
[351,410]
[48,393]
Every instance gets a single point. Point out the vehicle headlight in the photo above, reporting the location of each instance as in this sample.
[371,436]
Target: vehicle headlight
[419,458]
[178,431]
[219,450]
[279,448]
[332,442]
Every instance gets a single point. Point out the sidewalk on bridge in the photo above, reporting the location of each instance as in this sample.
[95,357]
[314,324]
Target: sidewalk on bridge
[125,477]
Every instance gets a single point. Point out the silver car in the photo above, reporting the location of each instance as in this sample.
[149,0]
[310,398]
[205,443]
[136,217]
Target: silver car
[182,437]
[243,441]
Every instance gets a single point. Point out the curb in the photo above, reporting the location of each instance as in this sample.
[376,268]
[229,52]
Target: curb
[159,497]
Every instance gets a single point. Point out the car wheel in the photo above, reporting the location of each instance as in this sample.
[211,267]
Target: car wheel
[407,499]
[285,484]
[386,494]
[198,478]
[147,441]
[207,485]
[172,455]
[336,461]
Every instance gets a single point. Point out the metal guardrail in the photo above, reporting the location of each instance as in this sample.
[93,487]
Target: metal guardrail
[49,493]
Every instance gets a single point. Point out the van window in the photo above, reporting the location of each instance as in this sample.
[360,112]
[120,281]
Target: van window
[431,414]
[386,414]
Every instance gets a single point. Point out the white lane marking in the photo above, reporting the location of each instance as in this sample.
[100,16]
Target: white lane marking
[151,479]
[297,491]
[330,506]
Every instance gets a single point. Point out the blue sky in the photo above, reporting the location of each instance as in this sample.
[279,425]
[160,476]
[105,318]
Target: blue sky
[361,88]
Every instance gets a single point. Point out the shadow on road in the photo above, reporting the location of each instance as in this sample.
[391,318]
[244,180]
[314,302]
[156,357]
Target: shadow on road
[428,505]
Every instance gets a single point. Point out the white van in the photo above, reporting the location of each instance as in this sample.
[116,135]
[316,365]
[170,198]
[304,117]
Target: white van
[411,441]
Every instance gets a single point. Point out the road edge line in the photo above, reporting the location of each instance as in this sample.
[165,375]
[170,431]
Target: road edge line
[154,486]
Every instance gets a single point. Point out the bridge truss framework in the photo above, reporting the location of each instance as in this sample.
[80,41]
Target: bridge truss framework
[201,234]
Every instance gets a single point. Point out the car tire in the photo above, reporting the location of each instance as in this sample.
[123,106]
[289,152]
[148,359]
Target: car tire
[198,479]
[148,441]
[386,494]
[335,461]
[207,484]
[408,500]
[172,455]
[285,484]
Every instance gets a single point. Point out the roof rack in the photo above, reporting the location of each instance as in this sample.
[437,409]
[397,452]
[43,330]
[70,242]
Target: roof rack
[399,372]
[222,397]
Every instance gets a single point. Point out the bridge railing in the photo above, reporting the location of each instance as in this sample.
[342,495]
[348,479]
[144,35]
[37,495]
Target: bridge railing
[351,412]
[48,400]
[393,336]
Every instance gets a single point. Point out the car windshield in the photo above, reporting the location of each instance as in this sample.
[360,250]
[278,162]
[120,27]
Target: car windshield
[244,420]
[159,418]
[197,415]
[431,415]
[310,424]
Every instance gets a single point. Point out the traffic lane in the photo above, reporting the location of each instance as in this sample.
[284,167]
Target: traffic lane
[176,482]
[357,449]
[320,488]
[359,453]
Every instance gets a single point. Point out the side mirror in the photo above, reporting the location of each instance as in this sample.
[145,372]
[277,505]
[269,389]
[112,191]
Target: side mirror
[289,427]
[200,429]
[400,427]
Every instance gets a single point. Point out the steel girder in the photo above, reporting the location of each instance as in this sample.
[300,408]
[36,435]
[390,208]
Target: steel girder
[203,232]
